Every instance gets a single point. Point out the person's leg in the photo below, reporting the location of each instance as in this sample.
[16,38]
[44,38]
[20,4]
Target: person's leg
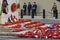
[29,12]
[35,13]
[53,13]
[24,12]
[56,14]
[32,14]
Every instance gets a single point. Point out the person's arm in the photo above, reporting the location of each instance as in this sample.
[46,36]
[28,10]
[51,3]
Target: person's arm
[36,6]
[31,6]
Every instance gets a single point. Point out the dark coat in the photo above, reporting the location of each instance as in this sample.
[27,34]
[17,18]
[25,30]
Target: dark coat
[24,7]
[35,6]
[29,6]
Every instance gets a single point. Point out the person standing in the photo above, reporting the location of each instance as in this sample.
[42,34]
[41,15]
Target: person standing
[33,13]
[5,7]
[55,11]
[34,7]
[29,8]
[25,8]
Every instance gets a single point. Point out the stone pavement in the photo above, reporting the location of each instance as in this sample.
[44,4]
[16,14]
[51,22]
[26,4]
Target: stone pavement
[46,20]
[26,39]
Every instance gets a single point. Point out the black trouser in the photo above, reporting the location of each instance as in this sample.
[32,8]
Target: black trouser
[21,13]
[35,12]
[29,12]
[55,14]
[24,12]
[32,13]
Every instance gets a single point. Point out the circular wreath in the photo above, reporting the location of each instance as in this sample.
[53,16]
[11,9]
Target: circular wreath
[13,7]
[18,6]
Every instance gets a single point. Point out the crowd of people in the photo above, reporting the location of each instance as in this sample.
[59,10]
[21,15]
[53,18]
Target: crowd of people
[31,8]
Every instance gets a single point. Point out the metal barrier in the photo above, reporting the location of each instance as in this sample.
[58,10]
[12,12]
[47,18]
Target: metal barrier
[48,31]
[3,35]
